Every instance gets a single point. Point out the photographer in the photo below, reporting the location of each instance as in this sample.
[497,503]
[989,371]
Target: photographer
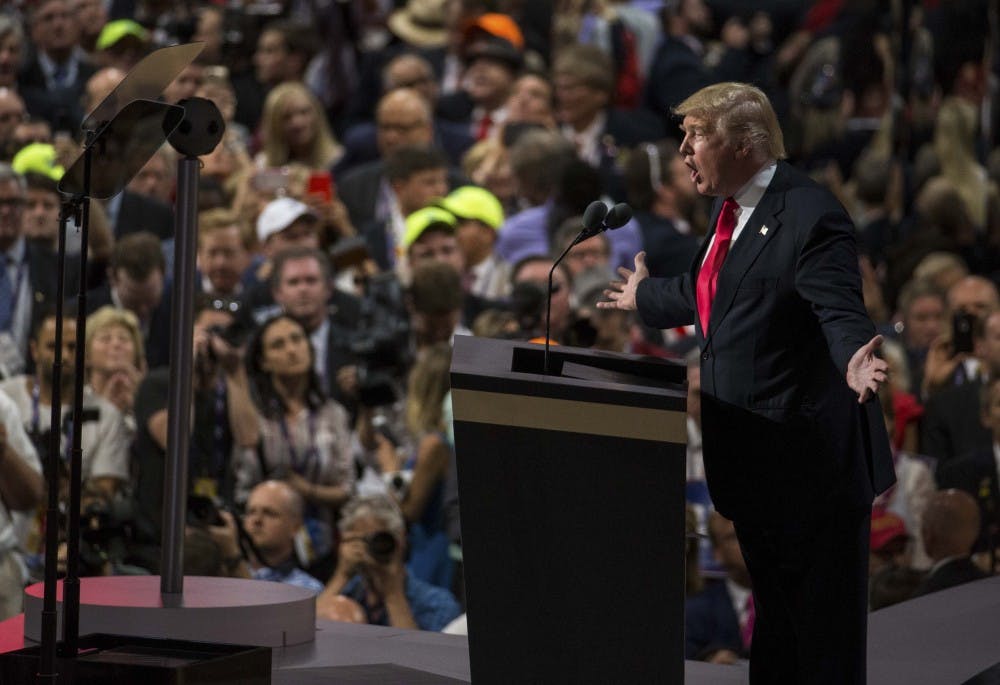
[370,572]
[223,419]
[273,520]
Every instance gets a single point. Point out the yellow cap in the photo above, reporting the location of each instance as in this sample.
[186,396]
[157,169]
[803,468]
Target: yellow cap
[473,202]
[115,30]
[422,219]
[38,158]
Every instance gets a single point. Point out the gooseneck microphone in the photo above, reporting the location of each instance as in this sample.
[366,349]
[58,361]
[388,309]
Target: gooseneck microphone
[597,218]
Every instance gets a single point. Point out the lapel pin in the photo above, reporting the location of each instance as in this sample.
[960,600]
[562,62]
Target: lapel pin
[763,230]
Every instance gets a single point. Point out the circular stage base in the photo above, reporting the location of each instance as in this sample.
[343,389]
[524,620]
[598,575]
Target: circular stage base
[227,610]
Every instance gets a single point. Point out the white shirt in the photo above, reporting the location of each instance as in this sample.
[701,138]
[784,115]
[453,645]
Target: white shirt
[748,197]
[739,595]
[588,141]
[318,338]
[22,446]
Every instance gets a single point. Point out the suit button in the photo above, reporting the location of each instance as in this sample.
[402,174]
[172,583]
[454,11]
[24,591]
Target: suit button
[705,356]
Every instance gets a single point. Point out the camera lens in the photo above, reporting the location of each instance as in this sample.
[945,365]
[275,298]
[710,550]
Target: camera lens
[381,546]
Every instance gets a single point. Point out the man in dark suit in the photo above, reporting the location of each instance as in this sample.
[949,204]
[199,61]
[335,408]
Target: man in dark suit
[28,268]
[950,529]
[793,453]
[52,82]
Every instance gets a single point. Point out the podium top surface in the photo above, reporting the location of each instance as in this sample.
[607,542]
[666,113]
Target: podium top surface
[514,367]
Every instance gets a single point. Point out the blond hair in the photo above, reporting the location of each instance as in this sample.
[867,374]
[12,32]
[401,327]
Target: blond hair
[325,149]
[219,219]
[739,111]
[428,384]
[107,317]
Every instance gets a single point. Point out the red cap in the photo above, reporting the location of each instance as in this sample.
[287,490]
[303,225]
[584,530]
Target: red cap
[886,527]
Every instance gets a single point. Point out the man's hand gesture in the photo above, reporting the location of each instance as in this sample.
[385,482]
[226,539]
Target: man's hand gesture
[621,294]
[865,371]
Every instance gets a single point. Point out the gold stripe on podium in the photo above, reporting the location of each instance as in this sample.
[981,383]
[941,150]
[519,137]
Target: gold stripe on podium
[573,416]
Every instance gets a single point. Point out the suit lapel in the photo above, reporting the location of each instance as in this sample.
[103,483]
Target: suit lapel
[760,230]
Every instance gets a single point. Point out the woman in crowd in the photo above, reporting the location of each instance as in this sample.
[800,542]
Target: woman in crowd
[116,363]
[417,478]
[304,437]
[295,130]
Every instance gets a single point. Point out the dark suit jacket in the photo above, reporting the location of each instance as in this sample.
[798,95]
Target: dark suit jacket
[622,131]
[955,572]
[61,106]
[157,340]
[951,426]
[361,146]
[711,623]
[782,430]
[142,213]
[42,270]
[668,252]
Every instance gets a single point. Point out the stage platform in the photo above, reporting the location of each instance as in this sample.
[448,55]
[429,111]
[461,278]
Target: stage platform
[948,638]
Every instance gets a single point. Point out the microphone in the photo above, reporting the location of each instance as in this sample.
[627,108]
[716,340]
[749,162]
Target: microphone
[597,218]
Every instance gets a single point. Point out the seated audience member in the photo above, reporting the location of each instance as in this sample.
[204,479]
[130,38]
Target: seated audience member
[531,101]
[223,422]
[21,490]
[416,177]
[116,363]
[663,198]
[719,621]
[157,177]
[136,283]
[592,254]
[599,329]
[435,304]
[952,425]
[889,542]
[480,215]
[305,438]
[275,515]
[487,164]
[370,571]
[950,530]
[977,472]
[431,237]
[222,253]
[121,44]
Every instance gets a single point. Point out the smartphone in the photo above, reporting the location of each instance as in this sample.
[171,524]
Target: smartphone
[321,183]
[961,332]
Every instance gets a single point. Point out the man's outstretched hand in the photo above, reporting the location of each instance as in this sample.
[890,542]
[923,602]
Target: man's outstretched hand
[621,294]
[865,371]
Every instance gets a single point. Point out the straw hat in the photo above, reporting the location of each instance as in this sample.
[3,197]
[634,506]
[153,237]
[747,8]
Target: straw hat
[421,23]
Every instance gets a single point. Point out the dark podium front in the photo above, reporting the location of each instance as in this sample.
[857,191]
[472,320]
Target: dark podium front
[572,504]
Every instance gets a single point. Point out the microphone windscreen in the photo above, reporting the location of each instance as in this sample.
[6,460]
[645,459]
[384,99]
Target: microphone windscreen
[619,215]
[594,215]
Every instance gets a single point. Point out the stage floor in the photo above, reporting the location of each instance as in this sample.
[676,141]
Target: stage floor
[943,639]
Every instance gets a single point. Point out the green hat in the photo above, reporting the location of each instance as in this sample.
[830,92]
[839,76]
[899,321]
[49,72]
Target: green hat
[38,158]
[473,202]
[115,30]
[422,219]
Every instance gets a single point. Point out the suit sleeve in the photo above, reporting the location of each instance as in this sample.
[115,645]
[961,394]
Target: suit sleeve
[827,277]
[666,302]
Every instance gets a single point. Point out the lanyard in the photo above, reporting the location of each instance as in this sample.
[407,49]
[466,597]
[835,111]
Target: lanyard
[310,456]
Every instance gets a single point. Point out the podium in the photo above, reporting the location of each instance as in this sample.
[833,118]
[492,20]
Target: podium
[571,490]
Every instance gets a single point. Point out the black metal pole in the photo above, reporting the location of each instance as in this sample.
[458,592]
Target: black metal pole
[175,476]
[47,672]
[71,585]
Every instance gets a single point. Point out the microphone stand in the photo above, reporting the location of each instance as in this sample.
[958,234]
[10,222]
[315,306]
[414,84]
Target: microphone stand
[581,236]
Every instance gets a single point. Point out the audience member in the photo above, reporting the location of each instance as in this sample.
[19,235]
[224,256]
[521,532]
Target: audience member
[294,129]
[370,571]
[223,256]
[479,216]
[274,518]
[116,363]
[951,527]
[12,50]
[889,542]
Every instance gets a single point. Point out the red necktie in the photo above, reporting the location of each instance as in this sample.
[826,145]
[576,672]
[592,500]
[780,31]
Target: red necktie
[746,632]
[485,124]
[709,273]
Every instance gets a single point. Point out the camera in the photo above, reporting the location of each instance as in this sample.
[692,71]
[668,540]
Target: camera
[963,324]
[382,342]
[381,546]
[202,512]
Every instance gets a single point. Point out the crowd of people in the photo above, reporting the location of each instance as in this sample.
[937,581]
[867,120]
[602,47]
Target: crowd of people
[393,174]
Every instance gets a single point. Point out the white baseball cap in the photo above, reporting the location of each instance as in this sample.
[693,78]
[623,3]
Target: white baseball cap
[278,215]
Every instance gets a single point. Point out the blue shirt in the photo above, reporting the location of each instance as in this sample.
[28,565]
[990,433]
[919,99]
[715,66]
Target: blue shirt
[294,576]
[432,607]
